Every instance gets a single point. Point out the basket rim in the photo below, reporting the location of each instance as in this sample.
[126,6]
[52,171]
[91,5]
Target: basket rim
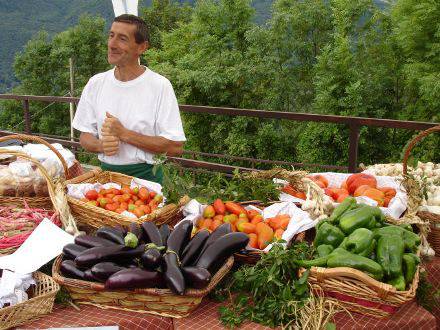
[65,281]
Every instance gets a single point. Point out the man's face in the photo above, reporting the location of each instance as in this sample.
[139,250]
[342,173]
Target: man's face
[121,45]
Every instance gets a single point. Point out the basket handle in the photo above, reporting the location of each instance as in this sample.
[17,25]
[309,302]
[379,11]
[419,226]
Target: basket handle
[382,289]
[84,177]
[32,138]
[50,185]
[413,142]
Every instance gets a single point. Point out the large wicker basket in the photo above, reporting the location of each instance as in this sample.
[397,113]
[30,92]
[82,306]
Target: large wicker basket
[153,301]
[40,303]
[43,202]
[96,217]
[432,218]
[359,292]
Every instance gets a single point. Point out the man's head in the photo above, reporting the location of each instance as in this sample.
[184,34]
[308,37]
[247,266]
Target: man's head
[127,40]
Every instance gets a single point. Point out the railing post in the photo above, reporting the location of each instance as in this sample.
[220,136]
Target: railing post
[27,117]
[353,148]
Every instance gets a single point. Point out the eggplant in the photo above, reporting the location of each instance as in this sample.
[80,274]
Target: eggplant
[104,270]
[151,259]
[69,269]
[180,237]
[112,234]
[222,248]
[72,250]
[194,247]
[115,253]
[172,274]
[151,233]
[134,278]
[196,277]
[92,241]
[134,228]
[121,229]
[88,276]
[216,234]
[164,232]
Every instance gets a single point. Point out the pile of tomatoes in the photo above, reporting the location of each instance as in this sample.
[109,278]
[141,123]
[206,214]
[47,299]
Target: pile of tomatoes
[138,201]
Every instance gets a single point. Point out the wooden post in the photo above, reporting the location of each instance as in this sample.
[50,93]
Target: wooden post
[72,105]
[353,148]
[27,117]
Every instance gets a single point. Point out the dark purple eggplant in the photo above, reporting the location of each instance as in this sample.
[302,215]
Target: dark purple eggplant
[216,234]
[194,247]
[112,234]
[134,228]
[134,278]
[92,241]
[164,232]
[222,248]
[172,273]
[151,259]
[151,233]
[196,277]
[180,237]
[104,270]
[71,251]
[88,276]
[69,269]
[115,253]
[121,229]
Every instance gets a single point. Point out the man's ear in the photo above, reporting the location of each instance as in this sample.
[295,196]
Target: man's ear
[143,47]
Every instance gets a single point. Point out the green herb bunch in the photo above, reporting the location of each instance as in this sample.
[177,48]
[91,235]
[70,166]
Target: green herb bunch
[270,292]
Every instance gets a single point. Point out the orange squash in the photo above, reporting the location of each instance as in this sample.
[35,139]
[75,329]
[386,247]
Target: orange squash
[376,195]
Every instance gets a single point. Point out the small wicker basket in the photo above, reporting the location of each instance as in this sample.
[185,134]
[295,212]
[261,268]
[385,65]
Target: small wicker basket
[96,217]
[43,202]
[39,304]
[153,301]
[432,218]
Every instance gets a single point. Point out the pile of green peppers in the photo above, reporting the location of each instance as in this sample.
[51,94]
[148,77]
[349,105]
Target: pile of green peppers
[356,236]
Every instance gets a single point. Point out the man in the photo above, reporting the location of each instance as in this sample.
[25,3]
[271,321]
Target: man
[129,113]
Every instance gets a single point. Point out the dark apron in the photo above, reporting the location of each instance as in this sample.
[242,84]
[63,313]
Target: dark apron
[141,171]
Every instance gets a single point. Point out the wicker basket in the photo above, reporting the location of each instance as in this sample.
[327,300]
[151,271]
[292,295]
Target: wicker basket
[358,292]
[96,217]
[432,218]
[39,202]
[153,301]
[41,303]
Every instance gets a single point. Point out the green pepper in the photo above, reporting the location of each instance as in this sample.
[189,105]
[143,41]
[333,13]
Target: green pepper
[389,254]
[318,262]
[369,251]
[398,282]
[411,240]
[328,234]
[410,262]
[342,258]
[342,245]
[364,217]
[324,250]
[348,204]
[359,240]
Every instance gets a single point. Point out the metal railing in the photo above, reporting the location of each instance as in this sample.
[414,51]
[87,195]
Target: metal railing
[354,124]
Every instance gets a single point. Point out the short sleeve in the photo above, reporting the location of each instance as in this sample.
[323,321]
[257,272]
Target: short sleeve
[85,118]
[168,122]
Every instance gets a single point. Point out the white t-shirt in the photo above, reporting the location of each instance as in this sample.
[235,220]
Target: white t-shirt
[146,105]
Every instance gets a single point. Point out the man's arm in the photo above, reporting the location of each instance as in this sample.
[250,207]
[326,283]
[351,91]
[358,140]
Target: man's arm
[153,144]
[109,145]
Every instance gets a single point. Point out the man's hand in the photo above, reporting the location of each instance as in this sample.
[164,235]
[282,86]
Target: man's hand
[112,126]
[110,145]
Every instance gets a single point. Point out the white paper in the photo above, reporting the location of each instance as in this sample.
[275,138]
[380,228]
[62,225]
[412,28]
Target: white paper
[45,243]
[7,283]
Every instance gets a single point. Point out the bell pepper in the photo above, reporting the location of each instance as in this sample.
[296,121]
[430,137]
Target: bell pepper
[364,217]
[411,240]
[324,250]
[389,254]
[369,251]
[410,262]
[348,204]
[359,240]
[398,282]
[328,234]
[342,258]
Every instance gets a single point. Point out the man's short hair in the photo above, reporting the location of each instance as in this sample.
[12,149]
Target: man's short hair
[141,34]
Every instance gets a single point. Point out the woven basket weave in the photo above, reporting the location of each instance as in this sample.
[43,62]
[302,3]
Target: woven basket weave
[432,218]
[39,304]
[43,202]
[153,301]
[97,217]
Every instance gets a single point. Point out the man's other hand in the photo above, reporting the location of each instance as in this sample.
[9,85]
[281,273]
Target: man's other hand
[110,144]
[112,126]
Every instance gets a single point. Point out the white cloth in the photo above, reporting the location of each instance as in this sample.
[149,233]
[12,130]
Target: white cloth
[146,105]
